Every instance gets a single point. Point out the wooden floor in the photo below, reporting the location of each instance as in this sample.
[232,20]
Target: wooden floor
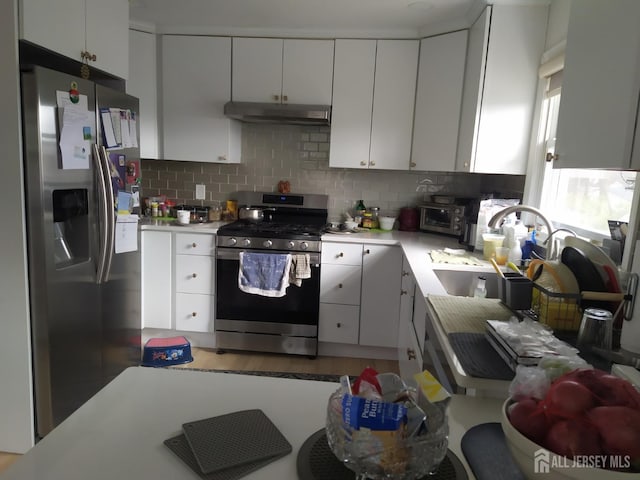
[265,362]
[209,360]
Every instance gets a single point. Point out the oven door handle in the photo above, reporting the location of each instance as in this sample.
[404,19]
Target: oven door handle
[234,254]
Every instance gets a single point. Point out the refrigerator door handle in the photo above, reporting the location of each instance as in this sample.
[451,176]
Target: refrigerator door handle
[109,214]
[103,223]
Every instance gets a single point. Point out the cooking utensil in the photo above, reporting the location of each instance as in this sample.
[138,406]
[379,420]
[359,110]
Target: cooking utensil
[593,253]
[585,271]
[495,266]
[253,214]
[587,275]
[553,276]
[513,267]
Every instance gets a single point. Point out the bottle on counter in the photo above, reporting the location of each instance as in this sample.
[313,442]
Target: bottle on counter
[481,288]
[515,251]
[359,212]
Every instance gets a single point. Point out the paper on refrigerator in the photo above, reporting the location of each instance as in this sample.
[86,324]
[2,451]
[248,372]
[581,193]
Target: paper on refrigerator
[126,237]
[76,132]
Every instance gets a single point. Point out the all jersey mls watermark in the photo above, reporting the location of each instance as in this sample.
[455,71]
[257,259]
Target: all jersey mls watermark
[543,461]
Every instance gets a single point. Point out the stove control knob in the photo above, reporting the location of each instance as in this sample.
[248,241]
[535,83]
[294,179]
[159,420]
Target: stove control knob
[232,241]
[246,242]
[291,244]
[267,243]
[304,245]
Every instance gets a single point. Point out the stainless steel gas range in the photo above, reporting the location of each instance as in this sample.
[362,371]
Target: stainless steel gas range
[290,233]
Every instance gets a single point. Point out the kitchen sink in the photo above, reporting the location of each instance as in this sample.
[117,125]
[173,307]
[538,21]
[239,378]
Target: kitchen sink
[462,282]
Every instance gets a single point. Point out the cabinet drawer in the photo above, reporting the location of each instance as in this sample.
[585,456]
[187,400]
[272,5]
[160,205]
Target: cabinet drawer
[194,274]
[338,323]
[195,244]
[194,313]
[340,284]
[342,253]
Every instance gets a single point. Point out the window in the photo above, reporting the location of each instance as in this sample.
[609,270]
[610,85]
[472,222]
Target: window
[583,200]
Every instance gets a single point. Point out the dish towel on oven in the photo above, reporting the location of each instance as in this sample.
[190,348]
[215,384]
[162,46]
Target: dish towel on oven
[300,268]
[265,274]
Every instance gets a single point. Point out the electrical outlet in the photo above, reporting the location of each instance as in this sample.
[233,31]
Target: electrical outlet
[200,192]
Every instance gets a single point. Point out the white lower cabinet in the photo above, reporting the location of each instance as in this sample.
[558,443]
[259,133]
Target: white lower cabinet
[360,294]
[194,312]
[339,323]
[178,281]
[411,325]
[157,272]
[380,300]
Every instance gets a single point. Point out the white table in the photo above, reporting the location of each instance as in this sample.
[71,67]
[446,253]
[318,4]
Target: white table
[118,434]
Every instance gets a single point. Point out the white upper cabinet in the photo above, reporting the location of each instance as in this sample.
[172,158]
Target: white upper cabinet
[355,64]
[373,100]
[142,83]
[307,71]
[393,103]
[282,71]
[600,87]
[196,83]
[501,78]
[438,101]
[70,27]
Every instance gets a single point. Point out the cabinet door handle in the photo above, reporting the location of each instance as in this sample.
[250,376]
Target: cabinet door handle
[88,56]
[194,275]
[363,163]
[338,324]
[411,354]
[222,158]
[404,274]
[194,314]
[340,255]
[339,285]
[194,244]
[372,163]
[285,98]
[412,164]
[367,251]
[403,292]
[276,98]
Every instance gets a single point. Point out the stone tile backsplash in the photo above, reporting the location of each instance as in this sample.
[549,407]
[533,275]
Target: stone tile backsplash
[300,154]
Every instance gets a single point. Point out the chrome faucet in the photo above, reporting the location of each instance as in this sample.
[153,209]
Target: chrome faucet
[498,217]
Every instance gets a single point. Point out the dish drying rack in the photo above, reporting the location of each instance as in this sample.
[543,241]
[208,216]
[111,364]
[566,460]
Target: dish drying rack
[563,311]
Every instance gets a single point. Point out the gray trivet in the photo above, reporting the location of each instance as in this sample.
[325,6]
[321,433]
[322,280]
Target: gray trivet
[181,448]
[478,358]
[316,461]
[488,455]
[234,439]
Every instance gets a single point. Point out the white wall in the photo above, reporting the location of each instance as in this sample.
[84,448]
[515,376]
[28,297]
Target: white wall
[16,405]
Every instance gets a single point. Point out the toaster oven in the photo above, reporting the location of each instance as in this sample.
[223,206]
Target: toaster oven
[443,218]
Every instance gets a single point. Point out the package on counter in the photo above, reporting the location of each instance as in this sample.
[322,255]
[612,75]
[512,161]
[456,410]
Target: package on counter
[358,412]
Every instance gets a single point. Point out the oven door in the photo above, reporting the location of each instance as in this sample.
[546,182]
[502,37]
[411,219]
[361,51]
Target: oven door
[295,314]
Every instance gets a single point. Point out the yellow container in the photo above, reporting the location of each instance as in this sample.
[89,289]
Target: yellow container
[491,242]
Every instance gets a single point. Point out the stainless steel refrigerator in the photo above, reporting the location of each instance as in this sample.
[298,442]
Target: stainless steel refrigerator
[84,297]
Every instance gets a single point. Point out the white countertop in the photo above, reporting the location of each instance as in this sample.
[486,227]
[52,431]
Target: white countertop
[119,433]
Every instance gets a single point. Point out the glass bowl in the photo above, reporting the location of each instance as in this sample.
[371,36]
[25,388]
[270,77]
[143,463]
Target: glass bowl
[385,454]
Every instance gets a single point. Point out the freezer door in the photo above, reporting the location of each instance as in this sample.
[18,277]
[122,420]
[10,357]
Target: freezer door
[65,299]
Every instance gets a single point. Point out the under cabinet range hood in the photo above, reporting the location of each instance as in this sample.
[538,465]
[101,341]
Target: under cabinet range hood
[293,114]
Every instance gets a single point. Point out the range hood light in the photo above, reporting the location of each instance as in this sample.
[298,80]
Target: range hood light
[254,112]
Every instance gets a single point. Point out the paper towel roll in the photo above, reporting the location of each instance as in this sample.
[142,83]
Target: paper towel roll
[630,336]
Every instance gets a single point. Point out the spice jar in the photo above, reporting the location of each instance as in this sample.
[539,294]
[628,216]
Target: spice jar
[375,211]
[367,220]
[215,212]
